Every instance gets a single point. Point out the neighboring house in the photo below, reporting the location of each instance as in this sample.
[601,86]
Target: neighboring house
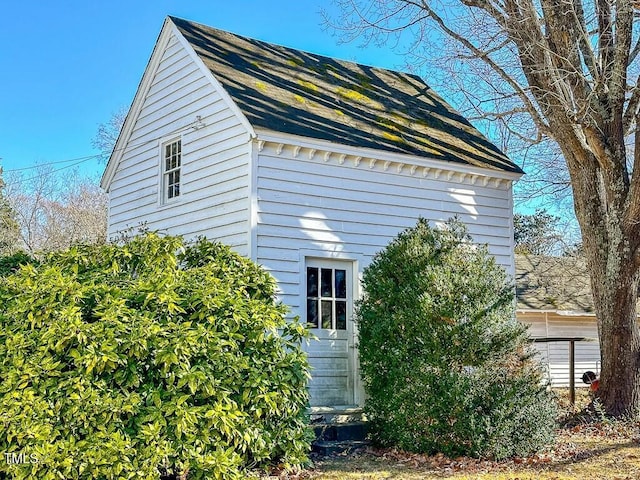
[308,165]
[554,299]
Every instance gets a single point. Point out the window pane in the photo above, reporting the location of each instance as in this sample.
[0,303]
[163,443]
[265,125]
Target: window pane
[312,282]
[172,155]
[327,313]
[341,284]
[326,285]
[312,312]
[341,315]
[171,165]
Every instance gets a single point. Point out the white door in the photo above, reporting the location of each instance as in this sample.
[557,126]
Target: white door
[328,311]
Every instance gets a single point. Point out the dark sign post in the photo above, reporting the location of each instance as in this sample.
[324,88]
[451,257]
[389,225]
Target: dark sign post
[572,359]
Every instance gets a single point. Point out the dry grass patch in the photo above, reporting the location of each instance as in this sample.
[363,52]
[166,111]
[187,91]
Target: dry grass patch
[585,449]
[593,451]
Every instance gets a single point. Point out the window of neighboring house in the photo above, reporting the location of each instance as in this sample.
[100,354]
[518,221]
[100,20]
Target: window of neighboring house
[327,298]
[171,162]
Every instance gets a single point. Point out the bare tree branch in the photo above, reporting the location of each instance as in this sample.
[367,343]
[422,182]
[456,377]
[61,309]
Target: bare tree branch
[568,64]
[486,58]
[55,212]
[631,111]
[107,134]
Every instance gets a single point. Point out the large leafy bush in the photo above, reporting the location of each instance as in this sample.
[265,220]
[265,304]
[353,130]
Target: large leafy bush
[123,361]
[444,362]
[10,263]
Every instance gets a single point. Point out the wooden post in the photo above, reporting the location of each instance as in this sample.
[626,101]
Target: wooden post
[572,358]
[572,373]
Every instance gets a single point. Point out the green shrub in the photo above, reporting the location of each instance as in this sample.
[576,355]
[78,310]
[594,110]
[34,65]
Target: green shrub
[11,263]
[118,361]
[445,364]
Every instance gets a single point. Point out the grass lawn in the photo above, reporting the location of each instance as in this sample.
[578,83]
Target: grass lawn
[586,450]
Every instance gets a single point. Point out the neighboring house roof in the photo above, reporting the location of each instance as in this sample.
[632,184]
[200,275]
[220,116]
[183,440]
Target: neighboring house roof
[290,91]
[553,284]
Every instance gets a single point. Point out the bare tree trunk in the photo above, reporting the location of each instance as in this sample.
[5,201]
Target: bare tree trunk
[615,281]
[572,66]
[615,299]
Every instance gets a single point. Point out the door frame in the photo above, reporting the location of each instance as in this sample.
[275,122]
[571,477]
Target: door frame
[350,262]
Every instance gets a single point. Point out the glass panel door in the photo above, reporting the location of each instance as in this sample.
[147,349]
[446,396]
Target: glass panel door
[327,298]
[327,305]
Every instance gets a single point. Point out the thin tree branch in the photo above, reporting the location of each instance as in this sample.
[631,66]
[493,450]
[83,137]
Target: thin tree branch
[588,54]
[631,112]
[634,53]
[632,210]
[495,67]
[622,47]
[605,37]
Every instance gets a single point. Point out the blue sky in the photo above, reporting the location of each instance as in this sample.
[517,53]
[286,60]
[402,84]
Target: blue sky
[69,64]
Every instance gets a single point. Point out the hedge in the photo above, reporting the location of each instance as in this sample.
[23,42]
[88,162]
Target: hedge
[122,361]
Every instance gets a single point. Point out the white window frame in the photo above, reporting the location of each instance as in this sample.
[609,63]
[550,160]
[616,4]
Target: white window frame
[333,298]
[165,173]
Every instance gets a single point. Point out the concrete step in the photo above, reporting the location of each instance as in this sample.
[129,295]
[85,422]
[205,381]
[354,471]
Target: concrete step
[339,438]
[327,448]
[340,432]
[340,414]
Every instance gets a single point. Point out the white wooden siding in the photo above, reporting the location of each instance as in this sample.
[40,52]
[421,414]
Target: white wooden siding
[335,209]
[328,207]
[214,190]
[555,355]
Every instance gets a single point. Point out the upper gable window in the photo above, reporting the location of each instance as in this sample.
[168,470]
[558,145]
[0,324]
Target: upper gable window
[171,163]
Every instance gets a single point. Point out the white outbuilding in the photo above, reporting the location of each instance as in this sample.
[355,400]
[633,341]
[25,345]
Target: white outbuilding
[307,165]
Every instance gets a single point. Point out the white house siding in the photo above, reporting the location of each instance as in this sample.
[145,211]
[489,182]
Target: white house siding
[310,204]
[555,355]
[337,206]
[214,198]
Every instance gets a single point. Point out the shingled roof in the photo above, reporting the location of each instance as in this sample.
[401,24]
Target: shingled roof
[290,91]
[553,283]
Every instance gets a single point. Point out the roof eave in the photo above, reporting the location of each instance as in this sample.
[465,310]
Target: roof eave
[564,313]
[136,104]
[168,28]
[423,161]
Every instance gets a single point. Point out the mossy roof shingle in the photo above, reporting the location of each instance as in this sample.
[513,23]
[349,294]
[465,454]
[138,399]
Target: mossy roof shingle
[290,91]
[553,283]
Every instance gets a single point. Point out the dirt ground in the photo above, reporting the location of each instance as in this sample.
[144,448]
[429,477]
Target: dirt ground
[584,449]
[595,451]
